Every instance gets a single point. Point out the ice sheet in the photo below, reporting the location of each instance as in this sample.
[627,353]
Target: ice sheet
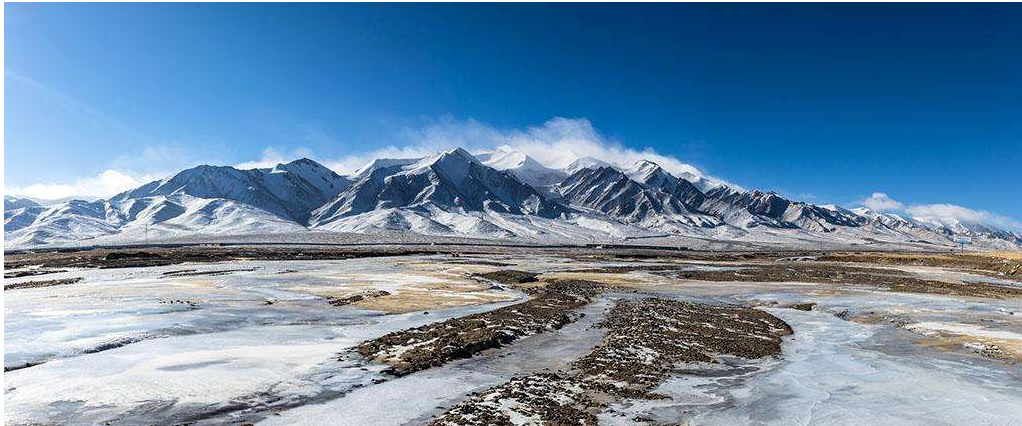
[833,376]
[135,345]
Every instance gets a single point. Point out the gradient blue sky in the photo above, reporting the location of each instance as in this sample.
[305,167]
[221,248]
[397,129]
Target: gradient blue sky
[824,102]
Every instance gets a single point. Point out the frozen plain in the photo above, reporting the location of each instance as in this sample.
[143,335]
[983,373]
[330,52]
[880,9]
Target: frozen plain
[258,341]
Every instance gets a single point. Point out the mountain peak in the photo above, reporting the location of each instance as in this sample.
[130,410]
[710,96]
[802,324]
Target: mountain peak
[11,203]
[304,161]
[643,165]
[586,163]
[524,167]
[304,164]
[454,191]
[382,163]
[461,153]
[651,175]
[454,164]
[319,176]
[452,156]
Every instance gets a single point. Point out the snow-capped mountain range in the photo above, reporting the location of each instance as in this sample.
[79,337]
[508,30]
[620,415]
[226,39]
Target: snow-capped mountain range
[502,194]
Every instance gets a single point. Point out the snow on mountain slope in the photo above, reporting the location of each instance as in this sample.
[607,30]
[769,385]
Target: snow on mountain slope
[382,163]
[501,194]
[20,212]
[13,203]
[525,168]
[612,192]
[573,228]
[651,175]
[978,234]
[74,220]
[187,215]
[200,200]
[138,219]
[757,208]
[585,163]
[16,219]
[890,223]
[325,180]
[289,190]
[452,181]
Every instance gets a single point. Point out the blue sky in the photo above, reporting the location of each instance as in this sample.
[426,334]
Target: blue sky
[824,102]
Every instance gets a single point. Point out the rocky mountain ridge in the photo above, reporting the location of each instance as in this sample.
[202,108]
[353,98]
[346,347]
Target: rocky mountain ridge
[500,194]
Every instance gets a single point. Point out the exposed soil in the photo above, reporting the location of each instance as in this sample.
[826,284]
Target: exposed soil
[37,284]
[804,306]
[992,264]
[126,258]
[510,277]
[646,342]
[435,344]
[829,273]
[194,273]
[545,398]
[189,303]
[358,297]
[475,262]
[21,366]
[32,272]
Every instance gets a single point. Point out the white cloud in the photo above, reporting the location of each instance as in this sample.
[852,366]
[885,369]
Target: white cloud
[348,164]
[555,143]
[880,201]
[272,156]
[105,184]
[950,214]
[941,213]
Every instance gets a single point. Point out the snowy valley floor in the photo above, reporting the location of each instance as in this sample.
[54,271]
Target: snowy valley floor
[513,335]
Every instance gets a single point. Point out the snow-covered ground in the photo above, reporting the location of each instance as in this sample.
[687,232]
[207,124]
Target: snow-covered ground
[258,341]
[135,345]
[838,372]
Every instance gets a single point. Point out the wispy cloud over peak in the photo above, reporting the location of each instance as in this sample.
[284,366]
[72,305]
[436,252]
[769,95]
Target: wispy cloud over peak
[107,183]
[272,156]
[555,143]
[950,215]
[940,213]
[880,201]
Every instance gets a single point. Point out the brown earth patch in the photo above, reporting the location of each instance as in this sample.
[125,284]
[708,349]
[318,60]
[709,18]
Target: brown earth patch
[432,345]
[1008,264]
[1004,350]
[646,342]
[811,272]
[39,284]
[544,398]
[358,297]
[510,277]
[194,273]
[31,272]
[804,306]
[128,258]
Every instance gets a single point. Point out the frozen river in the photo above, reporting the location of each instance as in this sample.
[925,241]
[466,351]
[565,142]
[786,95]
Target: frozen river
[260,341]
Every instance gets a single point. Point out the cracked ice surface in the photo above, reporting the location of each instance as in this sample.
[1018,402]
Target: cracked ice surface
[131,346]
[834,373]
[135,346]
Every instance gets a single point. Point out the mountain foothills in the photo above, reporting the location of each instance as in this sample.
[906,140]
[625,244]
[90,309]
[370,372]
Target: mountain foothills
[501,194]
